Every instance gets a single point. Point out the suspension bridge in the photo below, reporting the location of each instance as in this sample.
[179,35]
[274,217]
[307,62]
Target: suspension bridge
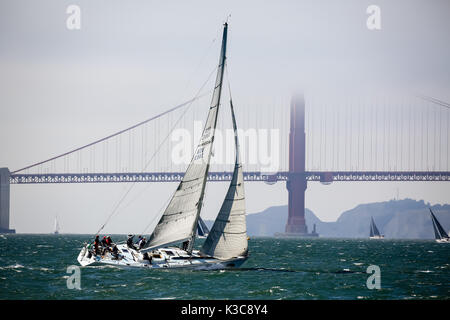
[317,140]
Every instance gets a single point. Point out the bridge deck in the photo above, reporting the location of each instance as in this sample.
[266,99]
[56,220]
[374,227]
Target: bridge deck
[321,176]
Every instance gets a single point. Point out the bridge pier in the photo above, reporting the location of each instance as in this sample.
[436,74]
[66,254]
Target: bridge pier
[296,186]
[4,201]
[297,183]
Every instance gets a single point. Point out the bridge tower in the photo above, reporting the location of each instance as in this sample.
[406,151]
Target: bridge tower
[4,201]
[297,184]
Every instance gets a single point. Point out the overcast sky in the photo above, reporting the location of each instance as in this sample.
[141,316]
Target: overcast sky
[130,60]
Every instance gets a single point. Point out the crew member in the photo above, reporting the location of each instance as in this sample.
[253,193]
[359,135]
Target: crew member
[96,244]
[104,242]
[108,241]
[130,243]
[115,252]
[142,243]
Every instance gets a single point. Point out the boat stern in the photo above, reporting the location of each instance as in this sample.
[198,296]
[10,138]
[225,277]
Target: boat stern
[235,262]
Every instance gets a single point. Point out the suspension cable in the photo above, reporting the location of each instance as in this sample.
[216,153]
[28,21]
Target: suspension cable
[434,100]
[117,133]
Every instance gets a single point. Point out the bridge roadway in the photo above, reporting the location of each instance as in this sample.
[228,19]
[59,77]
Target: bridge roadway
[321,176]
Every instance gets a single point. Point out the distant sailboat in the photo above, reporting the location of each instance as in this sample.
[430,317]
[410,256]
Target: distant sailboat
[226,244]
[56,230]
[374,232]
[202,229]
[439,232]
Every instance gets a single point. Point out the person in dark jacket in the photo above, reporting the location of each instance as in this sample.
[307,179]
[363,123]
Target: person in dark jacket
[142,243]
[130,243]
[96,245]
[148,257]
[104,245]
[115,252]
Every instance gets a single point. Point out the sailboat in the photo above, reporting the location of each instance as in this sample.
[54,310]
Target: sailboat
[56,230]
[202,229]
[226,245]
[439,232]
[374,232]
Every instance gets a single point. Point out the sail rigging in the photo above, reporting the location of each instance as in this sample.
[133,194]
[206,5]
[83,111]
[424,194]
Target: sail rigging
[228,236]
[226,245]
[179,220]
[373,229]
[439,232]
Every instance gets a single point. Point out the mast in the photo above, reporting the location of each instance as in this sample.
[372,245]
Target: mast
[180,219]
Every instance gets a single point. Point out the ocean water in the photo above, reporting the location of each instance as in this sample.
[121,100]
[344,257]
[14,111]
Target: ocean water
[35,267]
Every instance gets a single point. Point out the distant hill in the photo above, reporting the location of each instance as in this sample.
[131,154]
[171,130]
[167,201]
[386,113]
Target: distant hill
[401,219]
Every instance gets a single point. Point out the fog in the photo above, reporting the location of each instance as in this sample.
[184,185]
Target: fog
[61,88]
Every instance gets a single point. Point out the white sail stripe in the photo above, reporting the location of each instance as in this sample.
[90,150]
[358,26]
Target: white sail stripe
[227,220]
[186,193]
[234,199]
[187,181]
[175,213]
[147,249]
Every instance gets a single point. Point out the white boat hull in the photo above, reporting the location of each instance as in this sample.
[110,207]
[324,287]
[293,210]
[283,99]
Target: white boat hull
[443,240]
[160,258]
[376,237]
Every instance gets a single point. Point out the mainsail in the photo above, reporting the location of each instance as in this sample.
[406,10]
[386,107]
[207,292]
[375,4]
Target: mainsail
[179,220]
[373,229]
[439,232]
[228,235]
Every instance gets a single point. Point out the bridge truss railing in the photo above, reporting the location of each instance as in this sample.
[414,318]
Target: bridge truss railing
[255,176]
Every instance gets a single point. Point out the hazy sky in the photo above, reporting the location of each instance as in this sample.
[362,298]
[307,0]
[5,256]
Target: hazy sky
[61,88]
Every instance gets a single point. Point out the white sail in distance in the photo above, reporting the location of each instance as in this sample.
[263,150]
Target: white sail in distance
[179,220]
[56,229]
[373,228]
[439,232]
[228,235]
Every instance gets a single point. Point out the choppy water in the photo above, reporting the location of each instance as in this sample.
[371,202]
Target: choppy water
[35,267]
